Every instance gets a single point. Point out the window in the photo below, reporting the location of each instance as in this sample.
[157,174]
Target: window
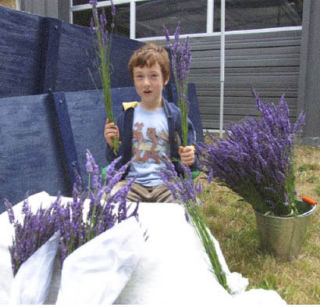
[83,17]
[78,2]
[258,14]
[151,16]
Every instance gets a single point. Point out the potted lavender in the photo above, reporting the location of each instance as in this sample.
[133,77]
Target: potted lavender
[256,160]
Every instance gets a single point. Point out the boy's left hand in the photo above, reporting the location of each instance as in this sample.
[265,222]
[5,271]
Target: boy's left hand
[187,155]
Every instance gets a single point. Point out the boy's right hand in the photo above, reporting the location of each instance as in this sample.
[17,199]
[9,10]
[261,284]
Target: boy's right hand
[111,130]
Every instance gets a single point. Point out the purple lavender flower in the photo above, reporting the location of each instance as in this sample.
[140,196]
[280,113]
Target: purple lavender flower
[93,171]
[103,37]
[90,163]
[181,62]
[69,219]
[186,191]
[113,9]
[30,234]
[183,188]
[256,159]
[76,229]
[9,209]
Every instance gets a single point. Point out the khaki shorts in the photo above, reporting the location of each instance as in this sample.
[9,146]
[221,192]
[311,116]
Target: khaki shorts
[156,194]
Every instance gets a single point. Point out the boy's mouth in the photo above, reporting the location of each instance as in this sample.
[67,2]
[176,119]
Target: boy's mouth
[147,92]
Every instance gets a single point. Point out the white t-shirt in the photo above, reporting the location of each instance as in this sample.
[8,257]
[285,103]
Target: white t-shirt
[150,142]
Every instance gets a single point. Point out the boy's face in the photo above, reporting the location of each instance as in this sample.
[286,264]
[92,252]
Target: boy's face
[149,84]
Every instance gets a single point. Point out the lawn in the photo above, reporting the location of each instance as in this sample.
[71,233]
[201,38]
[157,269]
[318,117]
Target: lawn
[233,223]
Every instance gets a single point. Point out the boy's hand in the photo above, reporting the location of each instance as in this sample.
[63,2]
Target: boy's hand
[111,130]
[187,155]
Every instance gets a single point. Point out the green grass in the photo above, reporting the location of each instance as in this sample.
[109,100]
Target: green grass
[232,222]
[317,190]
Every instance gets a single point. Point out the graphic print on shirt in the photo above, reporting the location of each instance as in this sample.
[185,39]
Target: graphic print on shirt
[151,146]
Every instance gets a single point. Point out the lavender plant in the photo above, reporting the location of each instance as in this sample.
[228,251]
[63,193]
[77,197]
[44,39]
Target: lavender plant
[256,160]
[102,214]
[99,25]
[186,191]
[76,227]
[181,62]
[30,234]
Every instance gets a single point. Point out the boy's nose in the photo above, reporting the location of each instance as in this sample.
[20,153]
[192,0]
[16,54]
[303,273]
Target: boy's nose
[146,81]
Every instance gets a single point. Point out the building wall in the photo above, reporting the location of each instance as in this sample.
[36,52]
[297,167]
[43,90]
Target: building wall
[8,3]
[265,62]
[273,63]
[309,77]
[47,8]
[40,7]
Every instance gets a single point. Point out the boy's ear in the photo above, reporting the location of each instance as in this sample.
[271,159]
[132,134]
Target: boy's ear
[166,82]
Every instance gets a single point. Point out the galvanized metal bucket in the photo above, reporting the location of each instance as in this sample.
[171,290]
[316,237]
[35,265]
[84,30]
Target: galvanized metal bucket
[283,236]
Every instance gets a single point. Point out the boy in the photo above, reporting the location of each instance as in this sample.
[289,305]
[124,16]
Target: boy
[149,130]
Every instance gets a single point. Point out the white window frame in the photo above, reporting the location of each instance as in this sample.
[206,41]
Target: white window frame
[132,25]
[18,5]
[209,27]
[209,32]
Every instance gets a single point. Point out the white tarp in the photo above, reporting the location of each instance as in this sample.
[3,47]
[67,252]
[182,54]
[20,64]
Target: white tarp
[96,272]
[173,268]
[31,284]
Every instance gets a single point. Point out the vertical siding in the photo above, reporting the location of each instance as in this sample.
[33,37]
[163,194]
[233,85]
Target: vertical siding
[267,62]
[309,82]
[45,8]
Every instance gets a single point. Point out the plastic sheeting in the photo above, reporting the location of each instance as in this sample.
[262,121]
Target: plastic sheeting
[31,284]
[173,268]
[96,272]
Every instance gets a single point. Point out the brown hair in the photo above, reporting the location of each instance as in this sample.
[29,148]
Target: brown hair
[148,55]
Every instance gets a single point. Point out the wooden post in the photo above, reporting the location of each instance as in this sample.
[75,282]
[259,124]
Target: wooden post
[309,76]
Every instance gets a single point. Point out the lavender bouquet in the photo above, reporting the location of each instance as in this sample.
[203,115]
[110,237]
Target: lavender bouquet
[181,62]
[99,247]
[99,25]
[33,250]
[76,230]
[256,160]
[30,234]
[186,191]
[94,217]
[90,213]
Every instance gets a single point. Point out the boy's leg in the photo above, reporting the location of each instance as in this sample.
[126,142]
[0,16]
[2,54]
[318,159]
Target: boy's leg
[137,191]
[157,194]
[161,194]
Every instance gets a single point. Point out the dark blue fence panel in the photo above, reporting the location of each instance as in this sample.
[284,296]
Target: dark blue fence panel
[170,93]
[77,60]
[38,54]
[87,118]
[50,42]
[20,53]
[30,156]
[44,137]
[194,111]
[44,140]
